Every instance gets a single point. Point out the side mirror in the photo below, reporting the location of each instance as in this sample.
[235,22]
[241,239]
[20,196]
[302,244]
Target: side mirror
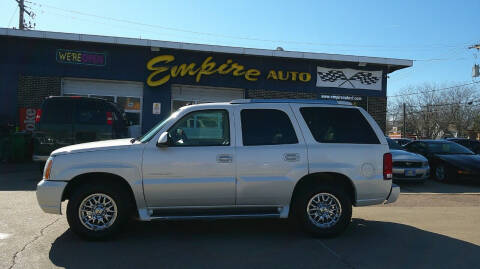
[163,140]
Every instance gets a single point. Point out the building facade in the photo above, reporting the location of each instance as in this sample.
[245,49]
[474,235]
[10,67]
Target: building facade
[150,78]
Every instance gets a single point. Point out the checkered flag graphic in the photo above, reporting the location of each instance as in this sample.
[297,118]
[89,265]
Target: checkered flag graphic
[332,75]
[365,78]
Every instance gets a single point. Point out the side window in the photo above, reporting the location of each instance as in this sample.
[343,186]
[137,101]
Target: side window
[267,127]
[57,112]
[338,125]
[412,147]
[90,112]
[201,128]
[417,147]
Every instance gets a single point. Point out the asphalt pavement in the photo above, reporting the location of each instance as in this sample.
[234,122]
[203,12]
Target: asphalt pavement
[430,226]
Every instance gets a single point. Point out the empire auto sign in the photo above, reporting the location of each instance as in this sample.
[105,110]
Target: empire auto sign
[164,68]
[162,72]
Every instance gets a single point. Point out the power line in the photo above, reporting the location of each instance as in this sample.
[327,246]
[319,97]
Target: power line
[13,14]
[237,37]
[441,89]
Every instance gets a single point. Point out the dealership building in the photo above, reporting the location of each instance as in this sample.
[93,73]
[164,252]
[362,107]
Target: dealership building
[151,78]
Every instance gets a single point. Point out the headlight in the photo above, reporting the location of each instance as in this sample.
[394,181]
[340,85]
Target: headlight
[48,169]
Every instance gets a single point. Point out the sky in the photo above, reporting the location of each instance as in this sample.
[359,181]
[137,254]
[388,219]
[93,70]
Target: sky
[435,34]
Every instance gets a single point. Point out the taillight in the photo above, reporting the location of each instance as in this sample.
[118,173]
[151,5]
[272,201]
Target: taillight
[109,118]
[38,115]
[387,166]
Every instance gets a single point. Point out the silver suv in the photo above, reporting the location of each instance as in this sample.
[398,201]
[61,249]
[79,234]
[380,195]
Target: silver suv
[306,159]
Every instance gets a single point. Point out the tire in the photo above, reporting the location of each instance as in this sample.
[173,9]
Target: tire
[83,196]
[443,174]
[335,195]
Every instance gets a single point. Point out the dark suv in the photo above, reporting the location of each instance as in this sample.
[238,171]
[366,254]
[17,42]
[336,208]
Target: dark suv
[64,121]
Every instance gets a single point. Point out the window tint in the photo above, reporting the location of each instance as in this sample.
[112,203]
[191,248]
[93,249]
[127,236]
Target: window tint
[338,125]
[417,147]
[201,128]
[267,127]
[57,111]
[90,112]
[392,144]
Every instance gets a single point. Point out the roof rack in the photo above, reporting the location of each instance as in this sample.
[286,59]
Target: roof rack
[298,101]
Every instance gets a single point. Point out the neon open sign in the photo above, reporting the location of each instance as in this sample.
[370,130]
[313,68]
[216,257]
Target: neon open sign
[81,57]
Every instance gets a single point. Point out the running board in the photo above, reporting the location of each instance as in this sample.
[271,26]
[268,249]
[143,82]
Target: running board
[214,213]
[201,217]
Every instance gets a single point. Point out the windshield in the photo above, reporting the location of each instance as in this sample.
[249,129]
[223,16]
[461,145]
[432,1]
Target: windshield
[148,135]
[448,148]
[392,144]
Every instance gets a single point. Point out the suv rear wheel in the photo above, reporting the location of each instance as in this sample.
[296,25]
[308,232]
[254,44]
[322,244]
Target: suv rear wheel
[323,210]
[96,212]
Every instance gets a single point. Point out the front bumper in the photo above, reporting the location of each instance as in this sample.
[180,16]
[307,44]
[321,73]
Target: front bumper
[402,174]
[394,193]
[49,195]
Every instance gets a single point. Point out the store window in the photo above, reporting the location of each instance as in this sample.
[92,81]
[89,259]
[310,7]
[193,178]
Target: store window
[132,108]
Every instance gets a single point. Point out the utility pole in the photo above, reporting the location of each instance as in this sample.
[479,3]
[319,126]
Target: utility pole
[21,9]
[476,67]
[404,120]
[22,24]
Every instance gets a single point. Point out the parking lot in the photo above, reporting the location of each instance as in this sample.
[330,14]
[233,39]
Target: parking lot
[430,226]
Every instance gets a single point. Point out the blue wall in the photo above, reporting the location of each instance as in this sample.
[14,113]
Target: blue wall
[37,57]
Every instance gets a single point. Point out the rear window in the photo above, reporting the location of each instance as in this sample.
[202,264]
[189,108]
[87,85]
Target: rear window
[267,127]
[90,112]
[338,125]
[57,111]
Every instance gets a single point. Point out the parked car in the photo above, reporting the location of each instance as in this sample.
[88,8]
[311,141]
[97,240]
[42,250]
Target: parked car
[408,166]
[449,161]
[64,121]
[311,160]
[473,145]
[402,141]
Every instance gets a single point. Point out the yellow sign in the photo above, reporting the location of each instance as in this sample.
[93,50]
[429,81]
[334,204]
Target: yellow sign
[162,72]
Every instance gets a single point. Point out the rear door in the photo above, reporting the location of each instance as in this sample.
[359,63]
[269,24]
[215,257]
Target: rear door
[271,154]
[347,141]
[91,121]
[55,128]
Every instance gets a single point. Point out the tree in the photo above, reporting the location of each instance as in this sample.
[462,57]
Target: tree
[435,111]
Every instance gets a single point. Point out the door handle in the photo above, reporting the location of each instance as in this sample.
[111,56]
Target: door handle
[291,157]
[224,158]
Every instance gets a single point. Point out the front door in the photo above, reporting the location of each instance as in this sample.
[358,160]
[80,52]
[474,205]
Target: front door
[198,166]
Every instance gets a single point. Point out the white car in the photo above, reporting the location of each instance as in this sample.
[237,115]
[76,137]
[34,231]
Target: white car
[408,166]
[307,159]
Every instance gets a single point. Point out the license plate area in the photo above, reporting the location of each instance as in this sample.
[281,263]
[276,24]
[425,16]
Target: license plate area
[410,172]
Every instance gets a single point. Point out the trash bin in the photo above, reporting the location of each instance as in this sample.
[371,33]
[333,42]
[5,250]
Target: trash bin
[19,145]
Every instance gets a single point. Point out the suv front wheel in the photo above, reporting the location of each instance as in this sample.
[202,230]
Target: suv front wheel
[324,210]
[97,211]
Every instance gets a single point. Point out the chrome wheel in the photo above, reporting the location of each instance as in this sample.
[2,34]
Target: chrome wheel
[324,210]
[97,211]
[440,173]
